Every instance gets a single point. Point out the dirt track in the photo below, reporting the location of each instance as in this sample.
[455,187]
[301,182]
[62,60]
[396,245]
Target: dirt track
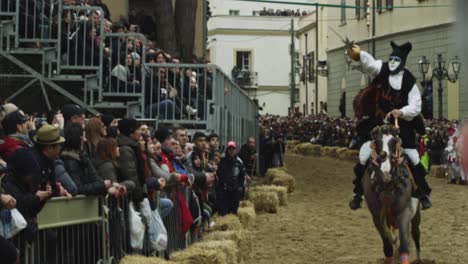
[318,227]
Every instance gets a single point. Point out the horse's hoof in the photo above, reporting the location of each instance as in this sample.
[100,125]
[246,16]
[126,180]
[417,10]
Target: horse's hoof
[404,259]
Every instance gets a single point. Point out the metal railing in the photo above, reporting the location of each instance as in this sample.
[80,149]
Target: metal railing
[178,92]
[69,232]
[246,79]
[36,21]
[7,8]
[91,229]
[126,73]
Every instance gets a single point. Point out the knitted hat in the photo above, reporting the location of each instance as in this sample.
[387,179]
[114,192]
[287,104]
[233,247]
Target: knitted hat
[128,126]
[162,134]
[22,162]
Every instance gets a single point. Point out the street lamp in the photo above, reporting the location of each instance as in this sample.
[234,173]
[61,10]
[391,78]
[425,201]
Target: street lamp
[440,72]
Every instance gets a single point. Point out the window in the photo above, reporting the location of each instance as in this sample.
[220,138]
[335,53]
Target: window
[233,12]
[243,60]
[389,4]
[379,6]
[358,9]
[343,12]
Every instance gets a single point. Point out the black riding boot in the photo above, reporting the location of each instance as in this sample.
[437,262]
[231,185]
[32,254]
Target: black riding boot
[419,174]
[359,170]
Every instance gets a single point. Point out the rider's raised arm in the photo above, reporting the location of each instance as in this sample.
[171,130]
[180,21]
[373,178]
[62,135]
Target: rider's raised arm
[370,65]
[414,104]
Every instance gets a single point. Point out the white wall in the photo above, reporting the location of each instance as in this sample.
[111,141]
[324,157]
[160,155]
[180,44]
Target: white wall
[270,57]
[276,103]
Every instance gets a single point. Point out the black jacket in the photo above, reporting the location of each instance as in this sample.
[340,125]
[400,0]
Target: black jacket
[231,174]
[131,165]
[27,203]
[245,154]
[83,173]
[46,174]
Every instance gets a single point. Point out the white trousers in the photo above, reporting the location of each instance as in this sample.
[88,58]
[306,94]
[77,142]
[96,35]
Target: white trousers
[366,150]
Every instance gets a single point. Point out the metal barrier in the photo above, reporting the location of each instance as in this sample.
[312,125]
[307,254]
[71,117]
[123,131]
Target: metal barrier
[35,20]
[235,115]
[72,231]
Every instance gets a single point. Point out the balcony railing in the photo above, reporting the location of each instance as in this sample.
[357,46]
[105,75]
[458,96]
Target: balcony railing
[245,79]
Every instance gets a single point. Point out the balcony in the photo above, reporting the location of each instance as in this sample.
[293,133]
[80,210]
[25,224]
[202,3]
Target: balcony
[245,79]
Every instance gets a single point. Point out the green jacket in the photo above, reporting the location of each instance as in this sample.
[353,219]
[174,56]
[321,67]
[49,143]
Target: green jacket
[131,165]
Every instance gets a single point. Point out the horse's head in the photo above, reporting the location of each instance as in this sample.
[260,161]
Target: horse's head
[386,155]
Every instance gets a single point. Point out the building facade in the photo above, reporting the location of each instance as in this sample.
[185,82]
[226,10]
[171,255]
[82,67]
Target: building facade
[255,50]
[431,30]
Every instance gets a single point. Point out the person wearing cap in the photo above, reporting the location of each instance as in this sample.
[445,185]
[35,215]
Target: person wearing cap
[231,177]
[47,148]
[131,163]
[15,126]
[73,114]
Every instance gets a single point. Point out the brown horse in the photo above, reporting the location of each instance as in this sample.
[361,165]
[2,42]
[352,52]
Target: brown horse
[388,192]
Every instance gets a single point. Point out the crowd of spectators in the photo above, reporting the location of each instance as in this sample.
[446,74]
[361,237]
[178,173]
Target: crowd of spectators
[68,154]
[440,145]
[86,43]
[284,12]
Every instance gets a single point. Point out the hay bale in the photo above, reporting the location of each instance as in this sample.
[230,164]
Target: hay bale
[196,255]
[280,190]
[229,247]
[308,149]
[227,222]
[139,259]
[352,155]
[246,203]
[341,152]
[247,216]
[265,201]
[243,239]
[325,151]
[291,145]
[333,152]
[272,173]
[438,171]
[285,180]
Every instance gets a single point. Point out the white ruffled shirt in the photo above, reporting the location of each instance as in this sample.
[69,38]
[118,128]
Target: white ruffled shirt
[372,67]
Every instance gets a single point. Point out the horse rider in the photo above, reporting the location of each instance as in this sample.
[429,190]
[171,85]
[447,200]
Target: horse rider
[397,96]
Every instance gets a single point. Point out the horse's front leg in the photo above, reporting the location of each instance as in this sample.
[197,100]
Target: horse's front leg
[403,222]
[386,239]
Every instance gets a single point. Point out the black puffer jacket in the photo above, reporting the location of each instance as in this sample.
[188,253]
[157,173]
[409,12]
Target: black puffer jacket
[83,173]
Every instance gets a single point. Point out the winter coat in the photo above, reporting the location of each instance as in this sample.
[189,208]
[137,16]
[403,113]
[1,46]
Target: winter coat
[107,171]
[131,166]
[83,173]
[245,154]
[10,145]
[64,178]
[27,203]
[46,174]
[231,174]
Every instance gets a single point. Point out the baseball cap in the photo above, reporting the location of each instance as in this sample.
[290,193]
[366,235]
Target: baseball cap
[231,144]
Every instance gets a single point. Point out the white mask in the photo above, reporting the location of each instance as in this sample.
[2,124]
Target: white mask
[394,63]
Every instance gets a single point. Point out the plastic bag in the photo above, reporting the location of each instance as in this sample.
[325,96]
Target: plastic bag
[157,232]
[11,223]
[137,228]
